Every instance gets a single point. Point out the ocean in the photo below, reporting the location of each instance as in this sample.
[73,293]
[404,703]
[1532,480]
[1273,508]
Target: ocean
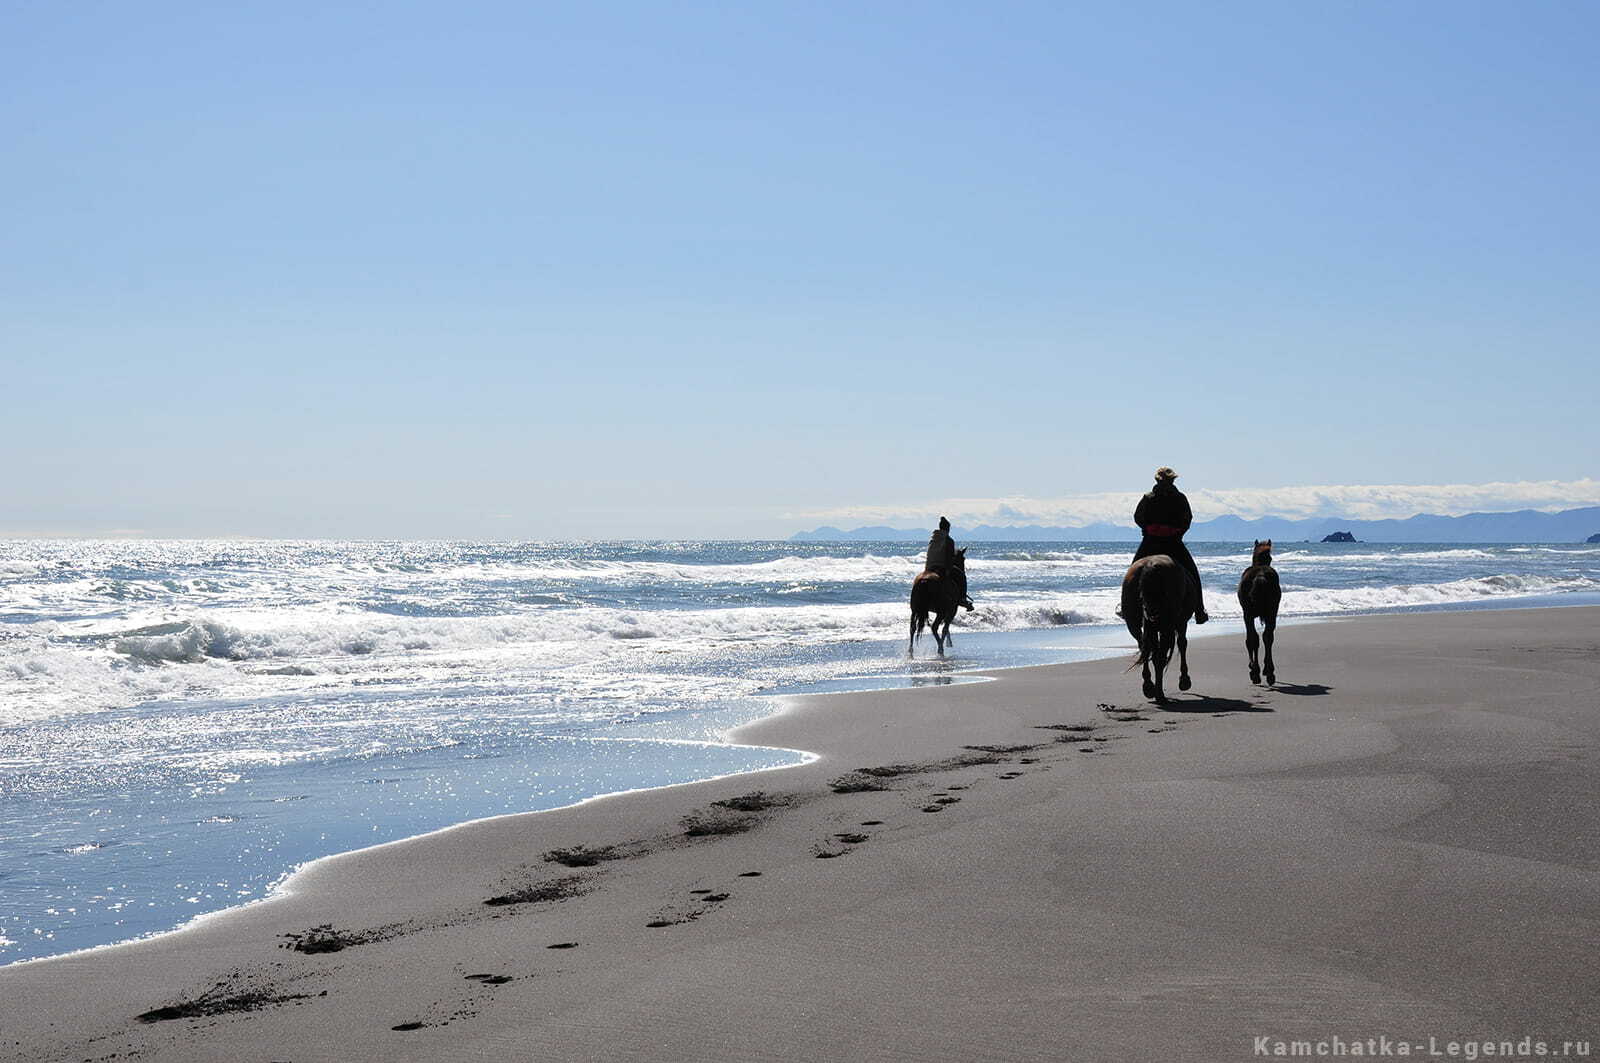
[184,723]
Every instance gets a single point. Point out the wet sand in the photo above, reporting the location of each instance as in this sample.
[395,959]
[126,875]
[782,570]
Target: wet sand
[1401,840]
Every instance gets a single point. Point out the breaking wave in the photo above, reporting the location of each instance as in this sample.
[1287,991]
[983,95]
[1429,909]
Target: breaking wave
[89,626]
[221,654]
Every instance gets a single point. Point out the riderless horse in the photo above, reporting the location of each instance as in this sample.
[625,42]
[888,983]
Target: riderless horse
[1259,595]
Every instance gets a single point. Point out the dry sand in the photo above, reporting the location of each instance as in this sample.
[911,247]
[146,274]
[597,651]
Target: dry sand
[1402,840]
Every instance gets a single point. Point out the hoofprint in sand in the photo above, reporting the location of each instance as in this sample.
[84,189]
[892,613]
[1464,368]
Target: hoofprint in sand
[1401,840]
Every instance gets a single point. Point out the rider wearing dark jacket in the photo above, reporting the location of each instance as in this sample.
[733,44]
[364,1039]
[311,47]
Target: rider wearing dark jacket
[1163,515]
[942,555]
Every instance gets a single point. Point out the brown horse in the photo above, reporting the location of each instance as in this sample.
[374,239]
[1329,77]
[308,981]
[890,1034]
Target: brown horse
[1259,595]
[940,596]
[1158,597]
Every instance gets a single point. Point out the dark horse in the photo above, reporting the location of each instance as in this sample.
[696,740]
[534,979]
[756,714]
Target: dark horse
[1259,595]
[940,596]
[1158,597]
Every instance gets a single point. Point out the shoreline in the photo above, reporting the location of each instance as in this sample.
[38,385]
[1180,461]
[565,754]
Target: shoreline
[977,674]
[432,887]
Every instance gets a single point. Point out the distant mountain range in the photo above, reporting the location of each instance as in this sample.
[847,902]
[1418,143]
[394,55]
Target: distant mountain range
[1521,526]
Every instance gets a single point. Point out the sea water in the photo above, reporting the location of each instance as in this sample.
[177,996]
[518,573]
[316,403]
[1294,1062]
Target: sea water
[183,723]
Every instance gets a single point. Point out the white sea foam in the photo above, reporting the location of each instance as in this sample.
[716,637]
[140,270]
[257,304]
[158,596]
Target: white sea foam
[1366,599]
[1380,557]
[811,570]
[108,625]
[60,668]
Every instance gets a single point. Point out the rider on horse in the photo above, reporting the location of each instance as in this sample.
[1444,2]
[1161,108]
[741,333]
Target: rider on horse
[1163,515]
[942,556]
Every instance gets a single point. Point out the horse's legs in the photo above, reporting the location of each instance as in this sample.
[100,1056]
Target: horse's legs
[1163,654]
[911,645]
[1147,650]
[1269,625]
[1251,642]
[1184,683]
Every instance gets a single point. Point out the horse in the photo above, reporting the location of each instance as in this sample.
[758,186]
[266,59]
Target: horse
[1259,595]
[941,596]
[1158,597]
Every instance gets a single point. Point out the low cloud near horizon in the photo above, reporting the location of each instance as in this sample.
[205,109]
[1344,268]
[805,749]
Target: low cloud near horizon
[1354,501]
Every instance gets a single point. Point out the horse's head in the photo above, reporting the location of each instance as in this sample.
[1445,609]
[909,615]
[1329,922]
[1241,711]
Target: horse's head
[1262,554]
[961,559]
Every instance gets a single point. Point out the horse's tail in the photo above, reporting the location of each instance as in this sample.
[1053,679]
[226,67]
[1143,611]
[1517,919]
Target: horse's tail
[1150,599]
[1136,611]
[919,607]
[1156,601]
[1143,656]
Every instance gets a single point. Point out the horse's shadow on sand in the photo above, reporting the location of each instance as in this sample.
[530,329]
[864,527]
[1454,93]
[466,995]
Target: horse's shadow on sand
[1207,703]
[1301,689]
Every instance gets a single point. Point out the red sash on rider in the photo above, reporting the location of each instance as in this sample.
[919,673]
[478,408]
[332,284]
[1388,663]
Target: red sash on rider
[1163,531]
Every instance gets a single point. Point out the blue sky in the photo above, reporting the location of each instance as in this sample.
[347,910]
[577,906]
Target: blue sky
[533,270]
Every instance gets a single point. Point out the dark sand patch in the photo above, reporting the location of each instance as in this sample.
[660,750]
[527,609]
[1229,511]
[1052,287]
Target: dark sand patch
[586,855]
[755,801]
[224,998]
[733,815]
[326,938]
[556,889]
[862,780]
[674,919]
[711,822]
[857,783]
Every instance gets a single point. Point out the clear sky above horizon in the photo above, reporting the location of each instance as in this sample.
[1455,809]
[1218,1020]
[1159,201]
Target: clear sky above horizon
[632,270]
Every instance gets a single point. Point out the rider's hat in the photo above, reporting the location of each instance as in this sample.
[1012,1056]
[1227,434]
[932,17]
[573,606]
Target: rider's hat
[944,522]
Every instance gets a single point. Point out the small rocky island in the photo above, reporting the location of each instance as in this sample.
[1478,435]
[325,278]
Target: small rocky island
[1595,538]
[1340,537]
